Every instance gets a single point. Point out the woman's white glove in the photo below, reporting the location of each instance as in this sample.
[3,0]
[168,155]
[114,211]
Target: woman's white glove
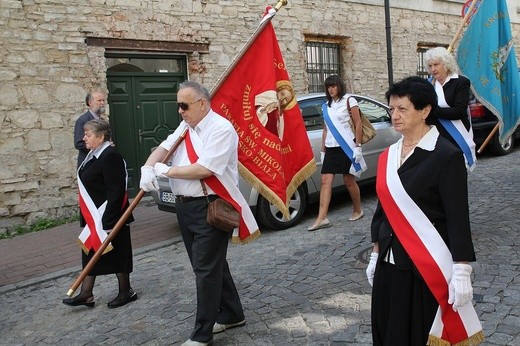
[160,169]
[460,291]
[371,269]
[358,154]
[148,180]
[322,157]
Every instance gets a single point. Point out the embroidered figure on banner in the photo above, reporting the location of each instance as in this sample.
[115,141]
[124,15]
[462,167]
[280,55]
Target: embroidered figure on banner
[271,104]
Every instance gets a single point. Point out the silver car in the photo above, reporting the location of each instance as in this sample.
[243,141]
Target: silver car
[269,216]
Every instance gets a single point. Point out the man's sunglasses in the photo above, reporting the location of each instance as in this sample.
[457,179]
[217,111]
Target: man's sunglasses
[186,105]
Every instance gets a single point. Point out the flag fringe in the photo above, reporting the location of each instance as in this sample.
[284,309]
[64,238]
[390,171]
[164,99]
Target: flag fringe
[263,189]
[268,194]
[300,177]
[236,239]
[473,340]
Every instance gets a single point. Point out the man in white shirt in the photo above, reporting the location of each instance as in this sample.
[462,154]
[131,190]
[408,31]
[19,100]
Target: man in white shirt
[210,149]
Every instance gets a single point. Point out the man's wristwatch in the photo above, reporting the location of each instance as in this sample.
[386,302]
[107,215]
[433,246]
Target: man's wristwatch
[358,145]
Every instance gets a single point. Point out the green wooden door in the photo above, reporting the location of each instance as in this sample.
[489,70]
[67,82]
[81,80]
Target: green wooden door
[143,113]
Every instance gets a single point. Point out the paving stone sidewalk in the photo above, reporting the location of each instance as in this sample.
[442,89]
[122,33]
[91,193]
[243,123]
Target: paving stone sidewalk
[297,287]
[27,258]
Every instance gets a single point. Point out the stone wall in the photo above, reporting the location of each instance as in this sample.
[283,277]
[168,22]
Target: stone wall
[46,68]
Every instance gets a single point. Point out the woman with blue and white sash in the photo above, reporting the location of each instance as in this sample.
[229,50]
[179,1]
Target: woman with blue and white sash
[340,150]
[453,92]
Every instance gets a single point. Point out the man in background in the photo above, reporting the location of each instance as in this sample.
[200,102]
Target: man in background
[96,102]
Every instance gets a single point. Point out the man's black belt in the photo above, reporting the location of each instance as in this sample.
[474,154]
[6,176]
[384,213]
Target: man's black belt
[184,199]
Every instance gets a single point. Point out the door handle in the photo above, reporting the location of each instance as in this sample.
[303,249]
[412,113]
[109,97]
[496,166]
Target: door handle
[140,136]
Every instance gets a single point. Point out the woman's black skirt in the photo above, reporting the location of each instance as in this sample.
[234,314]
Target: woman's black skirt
[335,161]
[118,260]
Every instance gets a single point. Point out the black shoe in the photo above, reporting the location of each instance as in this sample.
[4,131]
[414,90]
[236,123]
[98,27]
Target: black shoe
[77,301]
[123,298]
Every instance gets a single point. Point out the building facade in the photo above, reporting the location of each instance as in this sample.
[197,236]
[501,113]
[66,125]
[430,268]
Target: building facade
[54,52]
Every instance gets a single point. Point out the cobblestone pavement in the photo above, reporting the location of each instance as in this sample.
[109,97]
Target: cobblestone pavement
[297,287]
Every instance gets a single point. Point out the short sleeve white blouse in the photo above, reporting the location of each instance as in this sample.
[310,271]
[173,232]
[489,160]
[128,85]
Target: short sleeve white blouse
[338,109]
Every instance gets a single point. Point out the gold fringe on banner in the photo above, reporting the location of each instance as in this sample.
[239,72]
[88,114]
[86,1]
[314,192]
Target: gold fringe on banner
[300,177]
[268,194]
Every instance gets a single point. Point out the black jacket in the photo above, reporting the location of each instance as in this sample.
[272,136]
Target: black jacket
[79,132]
[456,93]
[105,180]
[437,182]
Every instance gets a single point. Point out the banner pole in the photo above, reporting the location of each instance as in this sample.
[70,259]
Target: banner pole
[461,26]
[488,139]
[120,223]
[246,47]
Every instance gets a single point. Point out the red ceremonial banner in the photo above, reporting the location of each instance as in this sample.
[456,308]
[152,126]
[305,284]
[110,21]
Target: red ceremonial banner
[258,98]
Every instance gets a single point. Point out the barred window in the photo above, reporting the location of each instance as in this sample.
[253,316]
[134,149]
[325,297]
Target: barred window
[322,61]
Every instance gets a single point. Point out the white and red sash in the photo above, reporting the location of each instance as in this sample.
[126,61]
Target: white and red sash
[91,240]
[224,186]
[429,254]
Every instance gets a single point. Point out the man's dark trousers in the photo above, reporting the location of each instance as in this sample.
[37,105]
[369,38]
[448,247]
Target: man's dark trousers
[217,296]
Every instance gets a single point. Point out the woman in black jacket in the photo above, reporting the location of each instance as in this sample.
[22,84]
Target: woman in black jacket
[420,265]
[455,88]
[102,182]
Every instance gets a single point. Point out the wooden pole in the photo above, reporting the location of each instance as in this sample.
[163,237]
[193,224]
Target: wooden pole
[245,48]
[488,139]
[120,223]
[461,26]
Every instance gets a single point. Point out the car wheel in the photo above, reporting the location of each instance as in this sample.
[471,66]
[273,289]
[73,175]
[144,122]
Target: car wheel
[270,217]
[501,149]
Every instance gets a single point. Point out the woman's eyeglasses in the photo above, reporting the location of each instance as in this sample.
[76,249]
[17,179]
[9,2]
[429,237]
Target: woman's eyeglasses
[186,105]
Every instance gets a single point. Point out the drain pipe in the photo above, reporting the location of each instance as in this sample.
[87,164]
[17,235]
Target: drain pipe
[388,44]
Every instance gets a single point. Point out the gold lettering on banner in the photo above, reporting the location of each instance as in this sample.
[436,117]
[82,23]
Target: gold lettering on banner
[274,145]
[246,103]
[227,113]
[279,65]
[250,142]
[254,131]
[484,80]
[494,18]
[244,149]
[286,150]
[257,160]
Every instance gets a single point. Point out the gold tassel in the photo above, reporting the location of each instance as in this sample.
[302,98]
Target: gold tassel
[108,248]
[436,341]
[86,251]
[473,340]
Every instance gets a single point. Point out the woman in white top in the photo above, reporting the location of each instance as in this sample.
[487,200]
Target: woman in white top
[334,159]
